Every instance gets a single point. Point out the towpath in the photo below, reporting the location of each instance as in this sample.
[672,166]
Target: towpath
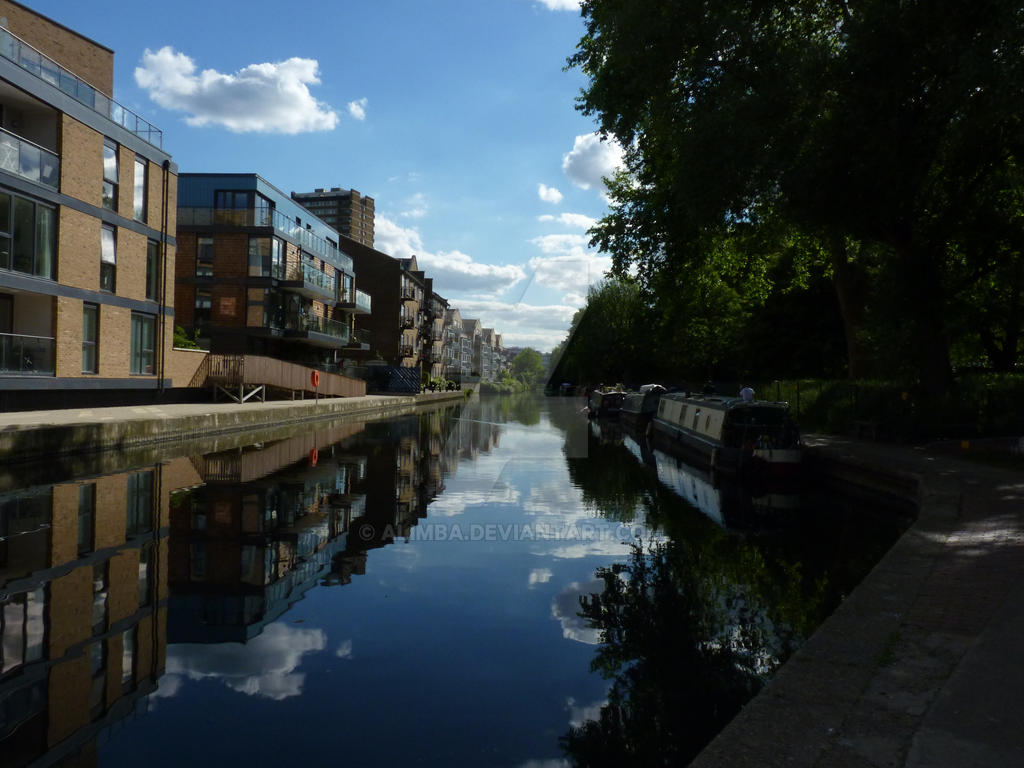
[922,664]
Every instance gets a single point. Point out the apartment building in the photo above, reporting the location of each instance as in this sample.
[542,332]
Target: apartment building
[398,293]
[87,209]
[258,274]
[346,210]
[83,601]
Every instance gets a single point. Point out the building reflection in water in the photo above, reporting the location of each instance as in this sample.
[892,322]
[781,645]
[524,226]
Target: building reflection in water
[99,574]
[83,607]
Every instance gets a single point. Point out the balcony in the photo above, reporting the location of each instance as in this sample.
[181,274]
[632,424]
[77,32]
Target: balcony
[30,161]
[46,69]
[407,350]
[309,281]
[360,339]
[407,322]
[266,217]
[27,355]
[358,303]
[316,330]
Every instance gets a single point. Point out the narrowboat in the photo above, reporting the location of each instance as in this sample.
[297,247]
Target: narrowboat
[728,433]
[605,402]
[638,408]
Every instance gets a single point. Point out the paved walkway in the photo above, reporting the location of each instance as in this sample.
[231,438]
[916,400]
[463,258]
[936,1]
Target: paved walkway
[922,665]
[32,435]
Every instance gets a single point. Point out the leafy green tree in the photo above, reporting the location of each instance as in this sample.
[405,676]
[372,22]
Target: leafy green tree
[887,133]
[528,367]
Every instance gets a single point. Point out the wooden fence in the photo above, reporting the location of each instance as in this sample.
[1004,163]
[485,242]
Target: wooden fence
[252,371]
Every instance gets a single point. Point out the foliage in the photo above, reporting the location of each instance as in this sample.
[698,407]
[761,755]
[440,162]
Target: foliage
[182,340]
[528,368]
[881,136]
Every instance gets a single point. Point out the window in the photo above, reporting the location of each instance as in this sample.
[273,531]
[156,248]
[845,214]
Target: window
[204,257]
[28,236]
[129,641]
[139,196]
[152,270]
[109,175]
[90,338]
[204,308]
[145,575]
[140,503]
[143,343]
[86,518]
[259,256]
[108,259]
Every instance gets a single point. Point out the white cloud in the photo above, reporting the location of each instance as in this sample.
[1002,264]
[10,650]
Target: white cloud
[576,220]
[357,108]
[549,194]
[415,207]
[578,715]
[561,5]
[453,271]
[344,650]
[268,97]
[590,160]
[566,608]
[567,265]
[264,666]
[540,576]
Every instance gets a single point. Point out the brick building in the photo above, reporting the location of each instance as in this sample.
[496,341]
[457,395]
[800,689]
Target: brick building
[87,204]
[344,209]
[257,273]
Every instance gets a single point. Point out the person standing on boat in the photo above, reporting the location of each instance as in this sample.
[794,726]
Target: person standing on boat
[747,394]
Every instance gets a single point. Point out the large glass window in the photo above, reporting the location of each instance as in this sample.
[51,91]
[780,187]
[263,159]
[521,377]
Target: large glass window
[86,518]
[152,270]
[204,308]
[204,257]
[28,236]
[277,258]
[108,259]
[110,176]
[90,338]
[140,503]
[259,256]
[143,343]
[139,196]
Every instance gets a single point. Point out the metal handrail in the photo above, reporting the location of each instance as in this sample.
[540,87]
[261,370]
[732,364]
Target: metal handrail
[42,66]
[29,160]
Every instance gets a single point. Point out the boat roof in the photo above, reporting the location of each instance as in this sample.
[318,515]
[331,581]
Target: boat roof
[721,402]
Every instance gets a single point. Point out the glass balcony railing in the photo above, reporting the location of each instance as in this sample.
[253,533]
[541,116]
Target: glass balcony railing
[27,355]
[363,302]
[30,161]
[45,68]
[318,324]
[266,217]
[310,275]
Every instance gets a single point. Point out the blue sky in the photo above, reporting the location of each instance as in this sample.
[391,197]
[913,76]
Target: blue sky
[456,116]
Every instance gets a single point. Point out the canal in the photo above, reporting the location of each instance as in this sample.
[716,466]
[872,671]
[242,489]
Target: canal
[498,583]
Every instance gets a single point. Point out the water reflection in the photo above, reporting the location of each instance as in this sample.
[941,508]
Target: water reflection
[693,625]
[155,594]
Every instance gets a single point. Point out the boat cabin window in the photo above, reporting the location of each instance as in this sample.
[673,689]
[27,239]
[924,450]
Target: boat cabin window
[761,417]
[696,416]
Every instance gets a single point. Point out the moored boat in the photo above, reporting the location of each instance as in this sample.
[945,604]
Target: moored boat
[605,402]
[638,408]
[729,433]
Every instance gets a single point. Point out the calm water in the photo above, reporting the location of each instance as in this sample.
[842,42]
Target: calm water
[495,584]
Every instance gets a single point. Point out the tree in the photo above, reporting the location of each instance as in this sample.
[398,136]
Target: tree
[885,132]
[528,367]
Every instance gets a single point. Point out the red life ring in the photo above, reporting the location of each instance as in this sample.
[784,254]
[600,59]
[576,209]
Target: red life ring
[314,455]
[314,377]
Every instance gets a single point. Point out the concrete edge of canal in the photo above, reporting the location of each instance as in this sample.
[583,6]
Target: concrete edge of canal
[888,678]
[41,435]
